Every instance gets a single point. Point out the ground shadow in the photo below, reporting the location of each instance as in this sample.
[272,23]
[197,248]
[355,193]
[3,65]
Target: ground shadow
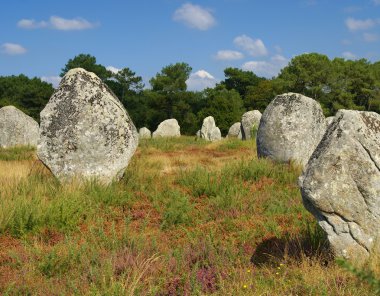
[274,250]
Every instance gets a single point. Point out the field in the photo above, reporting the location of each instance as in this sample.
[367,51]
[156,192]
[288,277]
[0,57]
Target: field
[189,218]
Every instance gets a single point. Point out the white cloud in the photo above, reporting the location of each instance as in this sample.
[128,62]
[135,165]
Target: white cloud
[57,23]
[12,49]
[279,60]
[356,24]
[229,55]
[254,47]
[194,16]
[200,80]
[54,80]
[60,23]
[266,68]
[113,69]
[348,55]
[31,24]
[370,37]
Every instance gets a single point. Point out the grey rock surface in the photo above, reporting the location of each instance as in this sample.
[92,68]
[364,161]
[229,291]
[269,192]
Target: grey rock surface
[145,133]
[249,121]
[168,128]
[85,131]
[209,130]
[17,128]
[290,129]
[341,184]
[234,131]
[329,120]
[198,134]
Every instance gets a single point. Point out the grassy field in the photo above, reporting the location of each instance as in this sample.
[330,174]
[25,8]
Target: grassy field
[189,218]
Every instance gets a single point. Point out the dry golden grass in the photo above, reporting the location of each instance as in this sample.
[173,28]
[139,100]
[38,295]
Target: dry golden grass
[189,218]
[12,172]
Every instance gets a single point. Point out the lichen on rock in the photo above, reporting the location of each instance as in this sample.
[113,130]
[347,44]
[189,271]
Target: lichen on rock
[85,130]
[341,184]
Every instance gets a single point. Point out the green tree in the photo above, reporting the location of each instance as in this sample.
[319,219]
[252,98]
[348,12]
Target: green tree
[170,84]
[87,62]
[185,107]
[126,85]
[240,80]
[258,97]
[374,101]
[307,74]
[226,106]
[351,85]
[28,94]
[171,79]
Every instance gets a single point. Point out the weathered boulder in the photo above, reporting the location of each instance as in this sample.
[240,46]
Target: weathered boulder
[234,131]
[198,134]
[85,131]
[168,128]
[249,121]
[329,120]
[17,128]
[145,133]
[341,184]
[209,130]
[291,127]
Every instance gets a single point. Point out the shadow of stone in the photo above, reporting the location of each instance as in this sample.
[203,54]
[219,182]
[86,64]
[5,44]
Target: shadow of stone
[274,250]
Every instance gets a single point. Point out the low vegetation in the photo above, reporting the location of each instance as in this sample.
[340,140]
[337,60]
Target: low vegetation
[189,218]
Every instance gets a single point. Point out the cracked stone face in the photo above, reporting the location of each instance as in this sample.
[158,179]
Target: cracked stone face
[85,131]
[291,127]
[341,184]
[17,128]
[209,130]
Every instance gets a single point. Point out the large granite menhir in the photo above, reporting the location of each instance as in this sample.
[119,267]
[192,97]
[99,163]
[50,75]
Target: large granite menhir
[17,128]
[85,131]
[290,129]
[341,184]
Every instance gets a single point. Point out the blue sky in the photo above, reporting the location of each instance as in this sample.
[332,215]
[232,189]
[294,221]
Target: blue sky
[38,37]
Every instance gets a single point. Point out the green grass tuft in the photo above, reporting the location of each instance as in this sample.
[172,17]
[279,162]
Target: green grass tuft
[17,153]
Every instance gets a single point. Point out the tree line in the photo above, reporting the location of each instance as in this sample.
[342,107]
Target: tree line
[334,83]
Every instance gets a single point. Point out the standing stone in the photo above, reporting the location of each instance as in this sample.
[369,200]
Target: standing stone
[198,134]
[341,184]
[291,127]
[249,121]
[234,131]
[85,130]
[209,130]
[168,128]
[145,133]
[329,120]
[17,128]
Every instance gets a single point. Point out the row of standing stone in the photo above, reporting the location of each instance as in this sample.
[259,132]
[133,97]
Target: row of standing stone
[86,132]
[209,131]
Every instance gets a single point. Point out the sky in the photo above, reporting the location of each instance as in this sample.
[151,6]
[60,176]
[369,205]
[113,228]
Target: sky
[37,37]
